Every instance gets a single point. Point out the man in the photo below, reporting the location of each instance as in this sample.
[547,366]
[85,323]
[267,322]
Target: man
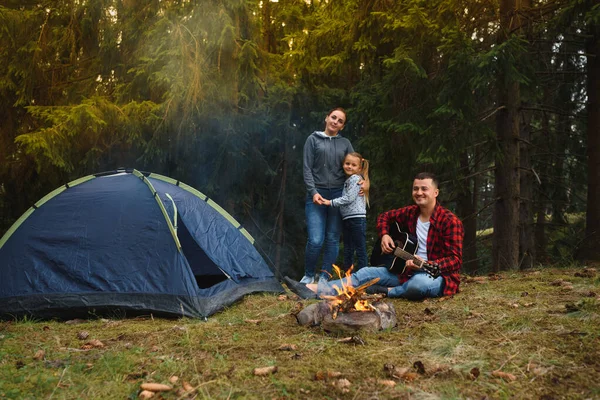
[440,236]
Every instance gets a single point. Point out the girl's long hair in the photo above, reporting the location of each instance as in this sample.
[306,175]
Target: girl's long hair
[364,165]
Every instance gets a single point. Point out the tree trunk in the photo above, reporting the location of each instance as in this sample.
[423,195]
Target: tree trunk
[559,141]
[591,248]
[268,37]
[541,240]
[467,211]
[527,182]
[281,210]
[527,179]
[505,249]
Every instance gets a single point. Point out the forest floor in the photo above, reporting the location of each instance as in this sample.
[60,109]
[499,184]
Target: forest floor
[533,335]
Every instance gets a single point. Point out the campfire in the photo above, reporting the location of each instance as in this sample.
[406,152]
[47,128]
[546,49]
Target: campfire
[350,310]
[349,298]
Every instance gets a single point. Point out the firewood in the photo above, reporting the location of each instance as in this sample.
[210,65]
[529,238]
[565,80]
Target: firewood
[364,286]
[314,313]
[346,301]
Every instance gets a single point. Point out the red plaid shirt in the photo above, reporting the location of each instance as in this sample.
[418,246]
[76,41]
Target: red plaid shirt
[444,240]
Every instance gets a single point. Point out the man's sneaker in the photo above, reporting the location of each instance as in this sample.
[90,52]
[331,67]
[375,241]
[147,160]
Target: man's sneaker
[377,289]
[307,279]
[300,289]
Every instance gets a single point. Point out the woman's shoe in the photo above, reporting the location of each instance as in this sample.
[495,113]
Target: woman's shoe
[307,279]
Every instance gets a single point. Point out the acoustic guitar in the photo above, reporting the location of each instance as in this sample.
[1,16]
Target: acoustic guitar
[406,248]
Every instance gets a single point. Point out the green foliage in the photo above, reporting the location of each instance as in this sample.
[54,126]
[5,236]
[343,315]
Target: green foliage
[222,95]
[504,59]
[83,133]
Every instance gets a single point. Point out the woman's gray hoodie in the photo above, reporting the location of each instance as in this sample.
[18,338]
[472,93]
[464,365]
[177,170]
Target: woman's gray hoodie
[323,158]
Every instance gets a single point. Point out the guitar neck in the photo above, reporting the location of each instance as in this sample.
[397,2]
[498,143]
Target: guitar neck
[432,268]
[405,255]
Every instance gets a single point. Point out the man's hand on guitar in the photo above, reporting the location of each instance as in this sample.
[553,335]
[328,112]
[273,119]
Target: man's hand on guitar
[410,264]
[387,244]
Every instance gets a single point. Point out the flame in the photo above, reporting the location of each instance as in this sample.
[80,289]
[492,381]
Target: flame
[363,305]
[347,288]
[347,291]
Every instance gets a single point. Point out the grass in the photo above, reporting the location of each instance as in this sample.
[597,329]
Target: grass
[545,334]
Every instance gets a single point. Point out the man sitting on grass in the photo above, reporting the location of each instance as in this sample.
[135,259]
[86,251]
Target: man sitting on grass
[440,237]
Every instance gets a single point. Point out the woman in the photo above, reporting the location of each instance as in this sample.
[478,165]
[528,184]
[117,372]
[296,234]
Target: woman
[324,177]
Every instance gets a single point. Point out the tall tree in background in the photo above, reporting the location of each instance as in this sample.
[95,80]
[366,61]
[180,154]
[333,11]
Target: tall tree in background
[506,213]
[527,181]
[464,105]
[565,103]
[592,242]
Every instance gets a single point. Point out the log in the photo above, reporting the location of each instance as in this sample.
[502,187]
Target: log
[383,317]
[314,313]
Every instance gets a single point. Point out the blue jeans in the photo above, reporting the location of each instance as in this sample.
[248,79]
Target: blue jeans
[324,226]
[355,239]
[421,285]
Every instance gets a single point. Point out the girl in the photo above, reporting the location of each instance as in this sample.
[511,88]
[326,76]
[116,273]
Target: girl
[353,208]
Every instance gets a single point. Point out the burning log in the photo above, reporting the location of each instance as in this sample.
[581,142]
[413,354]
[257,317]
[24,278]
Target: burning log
[382,317]
[350,310]
[350,299]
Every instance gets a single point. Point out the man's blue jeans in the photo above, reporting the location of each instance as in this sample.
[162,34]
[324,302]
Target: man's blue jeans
[324,226]
[421,285]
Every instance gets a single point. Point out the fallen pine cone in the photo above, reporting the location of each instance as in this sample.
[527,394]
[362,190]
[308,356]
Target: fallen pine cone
[386,382]
[504,375]
[39,355]
[287,347]
[146,394]
[352,340]
[264,371]
[395,372]
[83,335]
[93,344]
[343,384]
[156,387]
[323,375]
[409,377]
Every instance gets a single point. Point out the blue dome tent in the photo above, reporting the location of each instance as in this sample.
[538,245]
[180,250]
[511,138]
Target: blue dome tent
[127,243]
